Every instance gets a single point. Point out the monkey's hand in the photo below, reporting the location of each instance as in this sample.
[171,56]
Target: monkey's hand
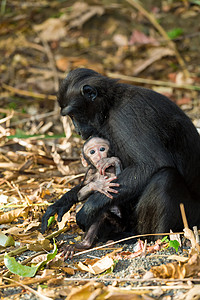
[60,207]
[69,250]
[107,162]
[104,185]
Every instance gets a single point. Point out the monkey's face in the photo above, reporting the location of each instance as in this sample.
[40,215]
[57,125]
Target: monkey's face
[96,149]
[82,97]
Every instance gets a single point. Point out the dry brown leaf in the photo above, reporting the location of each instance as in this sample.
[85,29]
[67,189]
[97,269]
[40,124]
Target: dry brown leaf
[64,220]
[68,270]
[10,216]
[178,270]
[56,281]
[60,163]
[189,234]
[140,38]
[39,258]
[85,292]
[154,54]
[192,294]
[32,224]
[51,29]
[63,63]
[40,245]
[54,292]
[97,266]
[115,293]
[82,12]
[14,230]
[179,258]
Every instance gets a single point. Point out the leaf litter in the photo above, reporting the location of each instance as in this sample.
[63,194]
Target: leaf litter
[40,42]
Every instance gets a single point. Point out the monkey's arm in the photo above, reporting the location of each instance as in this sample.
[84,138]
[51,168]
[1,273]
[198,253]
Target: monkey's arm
[61,206]
[85,192]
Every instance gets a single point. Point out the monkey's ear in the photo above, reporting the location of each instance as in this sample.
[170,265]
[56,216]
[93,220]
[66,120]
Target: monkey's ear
[89,92]
[84,162]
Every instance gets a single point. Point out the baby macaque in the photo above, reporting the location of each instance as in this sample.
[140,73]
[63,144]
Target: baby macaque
[102,170]
[99,176]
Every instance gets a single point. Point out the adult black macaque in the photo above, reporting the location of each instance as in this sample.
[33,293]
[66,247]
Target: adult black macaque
[157,144]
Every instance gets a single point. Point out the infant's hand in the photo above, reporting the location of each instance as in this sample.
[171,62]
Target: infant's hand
[107,162]
[105,186]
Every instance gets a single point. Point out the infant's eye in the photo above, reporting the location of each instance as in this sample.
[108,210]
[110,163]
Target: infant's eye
[102,149]
[92,151]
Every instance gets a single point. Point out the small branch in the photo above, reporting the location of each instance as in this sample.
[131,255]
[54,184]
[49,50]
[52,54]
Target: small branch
[27,93]
[188,233]
[125,239]
[185,223]
[153,82]
[26,287]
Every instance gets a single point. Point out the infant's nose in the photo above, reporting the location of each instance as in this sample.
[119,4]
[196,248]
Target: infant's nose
[98,155]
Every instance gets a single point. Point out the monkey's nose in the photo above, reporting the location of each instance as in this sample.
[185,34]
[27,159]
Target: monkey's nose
[66,110]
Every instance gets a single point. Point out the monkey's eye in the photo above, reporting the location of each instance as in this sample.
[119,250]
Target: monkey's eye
[102,149]
[89,92]
[92,151]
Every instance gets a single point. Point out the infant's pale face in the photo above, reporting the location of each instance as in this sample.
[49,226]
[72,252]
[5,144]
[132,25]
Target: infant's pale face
[96,149]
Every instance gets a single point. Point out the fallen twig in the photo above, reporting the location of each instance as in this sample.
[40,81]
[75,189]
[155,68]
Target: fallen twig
[188,233]
[123,240]
[26,287]
[153,82]
[27,93]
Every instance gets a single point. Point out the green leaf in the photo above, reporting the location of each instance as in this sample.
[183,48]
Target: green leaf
[174,244]
[6,241]
[16,268]
[174,33]
[26,271]
[165,239]
[197,2]
[10,241]
[51,220]
[20,135]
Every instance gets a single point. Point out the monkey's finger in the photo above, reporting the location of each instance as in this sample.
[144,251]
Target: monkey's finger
[102,167]
[114,184]
[112,178]
[112,191]
[105,166]
[44,224]
[69,253]
[61,212]
[107,194]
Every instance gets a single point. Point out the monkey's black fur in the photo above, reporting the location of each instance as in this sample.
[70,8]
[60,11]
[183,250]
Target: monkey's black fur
[156,142]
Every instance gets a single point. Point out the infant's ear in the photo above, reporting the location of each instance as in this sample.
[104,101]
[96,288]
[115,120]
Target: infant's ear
[84,162]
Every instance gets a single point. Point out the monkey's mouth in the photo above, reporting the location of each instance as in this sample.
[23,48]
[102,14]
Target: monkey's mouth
[86,133]
[84,130]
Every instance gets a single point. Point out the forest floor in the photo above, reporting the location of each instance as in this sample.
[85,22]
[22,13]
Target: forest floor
[155,45]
